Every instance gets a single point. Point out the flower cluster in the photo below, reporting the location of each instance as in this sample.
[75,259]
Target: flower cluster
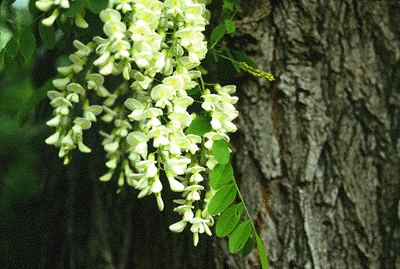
[156,48]
[46,5]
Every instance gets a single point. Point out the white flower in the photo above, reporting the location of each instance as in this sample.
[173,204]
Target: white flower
[110,15]
[186,211]
[91,112]
[75,89]
[53,139]
[182,103]
[174,184]
[162,91]
[160,135]
[121,48]
[192,192]
[80,21]
[44,5]
[160,202]
[182,119]
[141,82]
[212,136]
[83,50]
[110,114]
[78,63]
[178,226]
[61,105]
[138,141]
[61,83]
[193,13]
[138,30]
[115,29]
[50,20]
[177,165]
[196,170]
[193,140]
[138,110]
[149,168]
[124,5]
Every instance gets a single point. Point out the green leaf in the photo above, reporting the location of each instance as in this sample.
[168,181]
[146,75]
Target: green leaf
[27,43]
[11,66]
[228,220]
[245,58]
[47,35]
[33,101]
[74,7]
[248,247]
[239,236]
[230,26]
[2,52]
[12,47]
[228,7]
[233,63]
[96,6]
[65,27]
[200,125]
[221,175]
[262,253]
[220,151]
[5,36]
[216,34]
[222,199]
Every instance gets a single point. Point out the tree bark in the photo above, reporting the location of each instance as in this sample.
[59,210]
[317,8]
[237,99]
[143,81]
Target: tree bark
[316,155]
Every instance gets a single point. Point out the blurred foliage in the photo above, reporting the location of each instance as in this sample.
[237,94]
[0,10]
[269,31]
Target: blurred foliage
[21,143]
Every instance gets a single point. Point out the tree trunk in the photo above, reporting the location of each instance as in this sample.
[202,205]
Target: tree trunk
[316,155]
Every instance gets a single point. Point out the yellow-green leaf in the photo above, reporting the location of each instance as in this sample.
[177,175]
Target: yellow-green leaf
[220,151]
[239,236]
[228,220]
[221,175]
[222,199]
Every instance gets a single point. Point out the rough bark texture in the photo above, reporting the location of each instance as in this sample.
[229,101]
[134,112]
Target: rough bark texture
[317,154]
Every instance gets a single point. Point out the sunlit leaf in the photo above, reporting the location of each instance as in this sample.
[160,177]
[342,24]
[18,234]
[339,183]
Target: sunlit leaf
[230,26]
[262,253]
[239,236]
[200,125]
[220,151]
[5,36]
[221,175]
[222,199]
[228,220]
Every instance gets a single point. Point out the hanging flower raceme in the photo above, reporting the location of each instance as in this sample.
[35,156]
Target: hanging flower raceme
[155,47]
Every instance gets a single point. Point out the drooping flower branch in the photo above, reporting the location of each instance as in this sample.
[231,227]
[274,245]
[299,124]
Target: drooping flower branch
[156,47]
